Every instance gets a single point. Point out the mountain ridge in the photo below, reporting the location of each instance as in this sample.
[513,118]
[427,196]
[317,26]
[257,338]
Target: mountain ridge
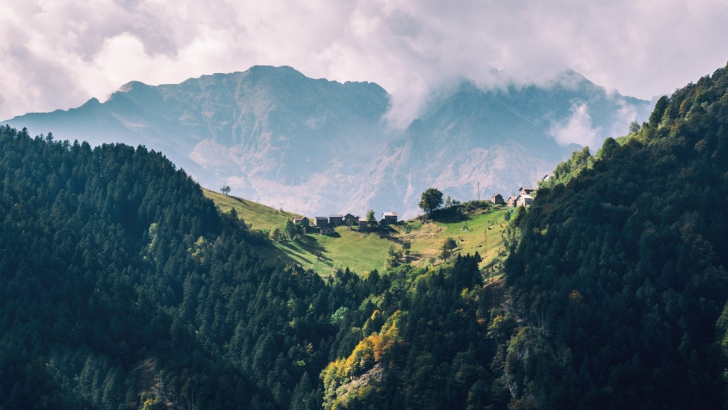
[319,146]
[464,140]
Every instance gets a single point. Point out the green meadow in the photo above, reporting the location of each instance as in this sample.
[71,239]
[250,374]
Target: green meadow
[257,216]
[363,252]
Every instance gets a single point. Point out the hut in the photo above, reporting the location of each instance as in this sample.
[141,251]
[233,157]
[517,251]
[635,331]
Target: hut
[526,191]
[363,225]
[498,199]
[388,218]
[351,220]
[524,200]
[336,220]
[301,221]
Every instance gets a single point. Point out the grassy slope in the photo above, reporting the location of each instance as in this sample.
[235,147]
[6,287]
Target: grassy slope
[257,216]
[428,239]
[364,252]
[359,252]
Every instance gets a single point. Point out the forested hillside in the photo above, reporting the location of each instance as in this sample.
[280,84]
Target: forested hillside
[619,274]
[123,287]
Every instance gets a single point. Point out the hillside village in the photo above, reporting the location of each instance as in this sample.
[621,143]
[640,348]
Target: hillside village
[524,197]
[378,240]
[325,224]
[323,243]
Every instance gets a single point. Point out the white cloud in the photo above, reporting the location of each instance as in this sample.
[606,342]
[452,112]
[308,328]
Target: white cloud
[623,117]
[59,53]
[577,129]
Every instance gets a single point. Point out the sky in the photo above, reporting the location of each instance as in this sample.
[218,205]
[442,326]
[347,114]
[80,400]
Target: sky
[57,54]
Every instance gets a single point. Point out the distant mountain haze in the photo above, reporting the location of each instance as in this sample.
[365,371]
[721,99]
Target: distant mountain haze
[316,147]
[502,139]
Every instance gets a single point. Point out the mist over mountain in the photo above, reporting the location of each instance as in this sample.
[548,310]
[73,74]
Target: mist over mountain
[502,139]
[315,146]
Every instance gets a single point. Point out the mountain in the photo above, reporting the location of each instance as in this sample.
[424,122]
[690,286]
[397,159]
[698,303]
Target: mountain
[499,138]
[320,147]
[263,131]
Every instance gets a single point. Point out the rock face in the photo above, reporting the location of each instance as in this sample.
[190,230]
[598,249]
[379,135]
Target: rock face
[314,146]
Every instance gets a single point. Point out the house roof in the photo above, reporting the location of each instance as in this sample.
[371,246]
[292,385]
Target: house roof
[389,214]
[299,218]
[527,189]
[322,217]
[336,216]
[497,195]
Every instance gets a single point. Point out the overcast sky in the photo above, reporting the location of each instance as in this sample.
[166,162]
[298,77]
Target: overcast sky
[59,53]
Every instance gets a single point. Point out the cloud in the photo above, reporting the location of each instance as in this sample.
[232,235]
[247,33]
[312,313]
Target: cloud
[577,129]
[623,117]
[57,54]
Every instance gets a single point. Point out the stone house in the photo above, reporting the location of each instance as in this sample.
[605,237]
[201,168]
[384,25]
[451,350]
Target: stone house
[512,201]
[524,200]
[336,220]
[351,220]
[320,221]
[326,230]
[498,199]
[388,218]
[363,225]
[526,191]
[301,221]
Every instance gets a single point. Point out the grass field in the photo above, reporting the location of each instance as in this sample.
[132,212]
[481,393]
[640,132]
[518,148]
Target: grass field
[475,233]
[360,252]
[257,216]
[364,252]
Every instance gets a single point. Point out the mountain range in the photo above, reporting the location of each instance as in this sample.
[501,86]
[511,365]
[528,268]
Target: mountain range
[314,146]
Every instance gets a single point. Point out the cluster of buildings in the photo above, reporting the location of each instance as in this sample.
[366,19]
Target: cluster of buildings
[523,198]
[326,224]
